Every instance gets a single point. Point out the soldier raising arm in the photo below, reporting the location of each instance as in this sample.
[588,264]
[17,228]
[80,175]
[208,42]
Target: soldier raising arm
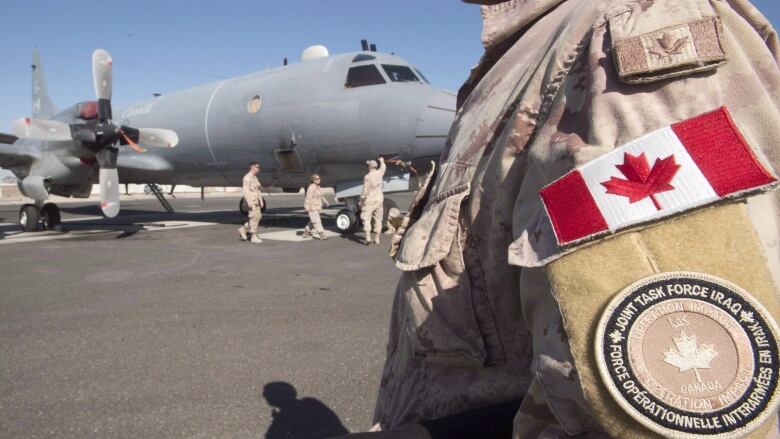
[371,199]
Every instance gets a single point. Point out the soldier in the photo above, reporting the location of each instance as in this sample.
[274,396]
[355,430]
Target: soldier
[394,219]
[579,249]
[371,200]
[254,200]
[313,204]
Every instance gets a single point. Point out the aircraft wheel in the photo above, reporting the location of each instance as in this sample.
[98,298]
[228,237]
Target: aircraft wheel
[50,216]
[346,221]
[243,207]
[29,218]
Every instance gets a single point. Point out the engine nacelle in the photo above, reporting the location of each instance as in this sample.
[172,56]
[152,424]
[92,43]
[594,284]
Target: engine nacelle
[35,187]
[82,190]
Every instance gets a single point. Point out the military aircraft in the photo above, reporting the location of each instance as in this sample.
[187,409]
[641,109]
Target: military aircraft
[325,114]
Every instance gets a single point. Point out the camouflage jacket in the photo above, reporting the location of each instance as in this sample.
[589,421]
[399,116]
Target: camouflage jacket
[372,195]
[251,189]
[473,321]
[314,198]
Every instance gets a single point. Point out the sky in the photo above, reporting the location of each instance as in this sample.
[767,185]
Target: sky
[162,46]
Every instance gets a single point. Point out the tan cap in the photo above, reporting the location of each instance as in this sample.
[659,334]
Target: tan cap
[372,164]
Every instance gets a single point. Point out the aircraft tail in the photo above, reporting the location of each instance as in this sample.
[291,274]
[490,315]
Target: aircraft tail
[42,106]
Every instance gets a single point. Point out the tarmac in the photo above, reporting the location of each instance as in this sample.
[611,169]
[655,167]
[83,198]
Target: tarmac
[166,325]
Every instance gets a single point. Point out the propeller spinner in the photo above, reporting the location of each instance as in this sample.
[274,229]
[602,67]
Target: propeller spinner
[101,135]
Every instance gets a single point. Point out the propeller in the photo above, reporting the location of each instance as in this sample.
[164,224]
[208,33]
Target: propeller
[101,135]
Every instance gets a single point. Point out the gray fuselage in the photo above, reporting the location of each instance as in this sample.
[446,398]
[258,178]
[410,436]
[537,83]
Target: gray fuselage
[307,120]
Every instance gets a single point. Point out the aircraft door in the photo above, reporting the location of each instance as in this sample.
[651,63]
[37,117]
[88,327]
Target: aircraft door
[287,155]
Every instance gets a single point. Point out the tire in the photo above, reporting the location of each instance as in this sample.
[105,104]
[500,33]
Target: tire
[29,218]
[243,207]
[50,216]
[346,221]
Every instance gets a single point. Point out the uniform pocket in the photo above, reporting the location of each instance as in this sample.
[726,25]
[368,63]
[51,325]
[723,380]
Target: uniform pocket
[428,240]
[448,311]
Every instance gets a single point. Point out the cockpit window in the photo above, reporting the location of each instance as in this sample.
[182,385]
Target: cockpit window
[400,73]
[420,74]
[361,76]
[362,57]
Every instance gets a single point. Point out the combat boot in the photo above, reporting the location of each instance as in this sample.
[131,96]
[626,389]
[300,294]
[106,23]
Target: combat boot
[376,238]
[306,233]
[242,233]
[256,239]
[323,236]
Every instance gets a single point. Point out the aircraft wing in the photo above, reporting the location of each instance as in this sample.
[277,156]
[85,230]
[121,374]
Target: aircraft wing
[8,138]
[15,155]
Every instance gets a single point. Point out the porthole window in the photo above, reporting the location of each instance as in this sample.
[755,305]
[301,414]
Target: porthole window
[254,104]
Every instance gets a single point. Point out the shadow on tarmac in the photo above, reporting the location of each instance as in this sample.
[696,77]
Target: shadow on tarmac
[305,418]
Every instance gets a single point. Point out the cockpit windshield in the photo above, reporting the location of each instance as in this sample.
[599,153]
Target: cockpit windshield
[420,74]
[400,73]
[360,76]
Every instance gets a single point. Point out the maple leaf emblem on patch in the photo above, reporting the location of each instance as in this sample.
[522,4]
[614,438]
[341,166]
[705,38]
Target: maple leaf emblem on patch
[746,316]
[667,47]
[642,181]
[616,336]
[689,355]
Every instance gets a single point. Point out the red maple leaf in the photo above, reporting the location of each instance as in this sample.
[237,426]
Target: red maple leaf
[641,181]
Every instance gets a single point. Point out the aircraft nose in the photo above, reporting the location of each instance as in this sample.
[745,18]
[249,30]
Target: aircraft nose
[436,119]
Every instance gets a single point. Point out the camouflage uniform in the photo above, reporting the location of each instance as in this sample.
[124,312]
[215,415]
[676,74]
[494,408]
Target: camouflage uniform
[394,219]
[313,205]
[474,320]
[371,201]
[254,200]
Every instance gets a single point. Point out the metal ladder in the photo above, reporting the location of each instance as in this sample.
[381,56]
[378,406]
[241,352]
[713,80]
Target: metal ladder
[155,188]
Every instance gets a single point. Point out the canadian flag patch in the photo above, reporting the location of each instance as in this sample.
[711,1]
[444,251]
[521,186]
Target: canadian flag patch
[689,164]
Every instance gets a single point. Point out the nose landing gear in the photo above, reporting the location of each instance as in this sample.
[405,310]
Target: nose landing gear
[31,217]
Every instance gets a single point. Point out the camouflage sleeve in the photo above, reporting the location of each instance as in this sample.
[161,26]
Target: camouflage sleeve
[626,326]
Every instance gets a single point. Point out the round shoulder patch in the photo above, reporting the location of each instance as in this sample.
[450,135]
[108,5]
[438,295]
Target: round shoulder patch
[690,355]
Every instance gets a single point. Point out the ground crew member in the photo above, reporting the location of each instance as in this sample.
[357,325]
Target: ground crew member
[579,249]
[394,219]
[313,205]
[371,200]
[254,201]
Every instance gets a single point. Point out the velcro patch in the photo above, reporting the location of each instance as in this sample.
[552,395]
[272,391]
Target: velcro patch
[669,52]
[690,355]
[687,165]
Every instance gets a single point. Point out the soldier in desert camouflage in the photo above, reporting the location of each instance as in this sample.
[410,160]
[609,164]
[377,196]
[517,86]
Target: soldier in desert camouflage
[313,205]
[254,200]
[371,200]
[394,219]
[492,306]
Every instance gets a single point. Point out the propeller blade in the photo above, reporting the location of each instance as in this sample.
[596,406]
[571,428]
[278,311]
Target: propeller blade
[109,181]
[101,73]
[157,137]
[109,192]
[41,129]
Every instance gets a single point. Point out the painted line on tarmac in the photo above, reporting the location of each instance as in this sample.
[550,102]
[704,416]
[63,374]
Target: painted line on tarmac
[291,235]
[22,237]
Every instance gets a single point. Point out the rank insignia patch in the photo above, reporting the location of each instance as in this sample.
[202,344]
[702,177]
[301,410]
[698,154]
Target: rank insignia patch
[690,355]
[669,52]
